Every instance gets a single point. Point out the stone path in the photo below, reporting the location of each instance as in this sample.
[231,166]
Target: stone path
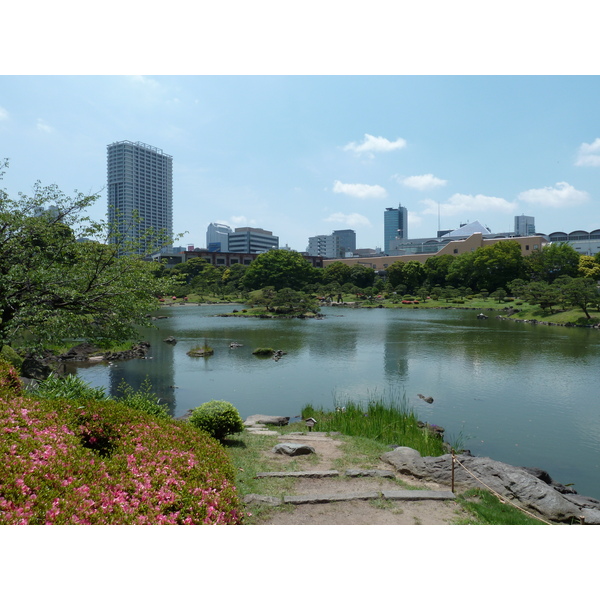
[324,495]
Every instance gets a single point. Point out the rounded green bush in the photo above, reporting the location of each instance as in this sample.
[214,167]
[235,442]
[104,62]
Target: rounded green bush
[218,418]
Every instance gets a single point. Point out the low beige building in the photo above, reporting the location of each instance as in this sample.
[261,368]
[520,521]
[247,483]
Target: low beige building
[456,247]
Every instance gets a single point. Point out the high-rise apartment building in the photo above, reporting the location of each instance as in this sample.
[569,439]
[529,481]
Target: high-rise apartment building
[217,237]
[395,226]
[140,195]
[524,225]
[324,245]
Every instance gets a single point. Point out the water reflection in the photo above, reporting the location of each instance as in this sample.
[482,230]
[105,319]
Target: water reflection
[523,394]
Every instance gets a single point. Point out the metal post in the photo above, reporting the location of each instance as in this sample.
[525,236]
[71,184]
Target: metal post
[453,459]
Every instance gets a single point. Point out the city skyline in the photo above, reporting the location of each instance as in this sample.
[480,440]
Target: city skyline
[302,155]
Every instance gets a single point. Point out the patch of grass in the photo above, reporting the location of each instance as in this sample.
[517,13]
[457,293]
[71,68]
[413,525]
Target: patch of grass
[360,453]
[486,509]
[384,504]
[251,454]
[387,421]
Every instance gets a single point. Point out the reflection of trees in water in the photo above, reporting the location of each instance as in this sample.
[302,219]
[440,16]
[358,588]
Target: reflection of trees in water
[159,370]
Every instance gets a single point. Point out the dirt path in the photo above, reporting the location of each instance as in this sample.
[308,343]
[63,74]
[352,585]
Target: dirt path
[355,512]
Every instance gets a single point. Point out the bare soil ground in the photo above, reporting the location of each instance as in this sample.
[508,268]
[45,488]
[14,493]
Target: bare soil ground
[356,512]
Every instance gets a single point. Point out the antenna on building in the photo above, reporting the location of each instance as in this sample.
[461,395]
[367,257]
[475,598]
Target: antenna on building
[439,227]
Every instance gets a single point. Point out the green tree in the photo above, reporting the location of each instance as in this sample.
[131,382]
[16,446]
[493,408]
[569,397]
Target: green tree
[414,275]
[462,271]
[589,267]
[190,269]
[496,265]
[234,275]
[582,292]
[53,287]
[542,293]
[338,272]
[362,276]
[552,261]
[394,273]
[437,267]
[280,269]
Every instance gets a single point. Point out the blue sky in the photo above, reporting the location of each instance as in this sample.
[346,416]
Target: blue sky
[304,155]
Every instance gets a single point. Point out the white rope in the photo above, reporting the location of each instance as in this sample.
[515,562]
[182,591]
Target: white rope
[500,497]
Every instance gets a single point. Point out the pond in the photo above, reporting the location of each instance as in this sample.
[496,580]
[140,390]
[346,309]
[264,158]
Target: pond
[519,393]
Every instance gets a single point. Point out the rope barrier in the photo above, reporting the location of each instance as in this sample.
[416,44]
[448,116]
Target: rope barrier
[499,496]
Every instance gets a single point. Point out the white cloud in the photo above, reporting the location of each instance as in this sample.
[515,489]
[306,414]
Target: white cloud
[372,144]
[43,126]
[359,190]
[3,114]
[240,221]
[414,218]
[589,154]
[145,81]
[351,220]
[459,204]
[562,195]
[422,182]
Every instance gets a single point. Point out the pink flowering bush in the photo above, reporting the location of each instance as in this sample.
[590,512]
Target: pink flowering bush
[98,462]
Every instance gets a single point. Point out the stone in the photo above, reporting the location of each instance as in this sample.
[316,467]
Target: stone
[266,420]
[517,484]
[298,474]
[170,340]
[293,449]
[35,368]
[370,473]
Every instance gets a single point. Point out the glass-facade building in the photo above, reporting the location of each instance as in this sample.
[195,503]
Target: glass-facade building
[140,195]
[395,226]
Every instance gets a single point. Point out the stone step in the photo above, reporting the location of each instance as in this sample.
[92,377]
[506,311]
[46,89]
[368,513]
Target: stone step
[398,495]
[316,474]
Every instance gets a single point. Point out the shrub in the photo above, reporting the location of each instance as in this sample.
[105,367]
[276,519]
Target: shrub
[10,356]
[104,463]
[218,418]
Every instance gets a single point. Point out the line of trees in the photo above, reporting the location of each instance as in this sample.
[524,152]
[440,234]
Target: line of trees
[54,287]
[486,270]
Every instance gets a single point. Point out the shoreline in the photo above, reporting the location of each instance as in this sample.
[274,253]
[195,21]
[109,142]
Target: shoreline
[359,305]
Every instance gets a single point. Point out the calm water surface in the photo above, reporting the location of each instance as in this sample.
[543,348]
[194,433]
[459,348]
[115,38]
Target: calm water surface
[519,393]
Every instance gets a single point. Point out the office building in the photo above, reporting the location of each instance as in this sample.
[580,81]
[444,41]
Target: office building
[337,245]
[217,237]
[395,226]
[140,195]
[524,225]
[347,241]
[252,240]
[324,245]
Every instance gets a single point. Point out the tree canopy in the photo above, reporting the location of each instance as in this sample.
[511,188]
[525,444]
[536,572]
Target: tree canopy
[53,287]
[552,261]
[280,269]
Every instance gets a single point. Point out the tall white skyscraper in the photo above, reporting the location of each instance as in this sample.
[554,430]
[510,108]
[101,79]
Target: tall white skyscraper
[217,237]
[140,194]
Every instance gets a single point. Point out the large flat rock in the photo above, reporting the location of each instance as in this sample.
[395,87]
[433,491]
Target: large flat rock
[517,484]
